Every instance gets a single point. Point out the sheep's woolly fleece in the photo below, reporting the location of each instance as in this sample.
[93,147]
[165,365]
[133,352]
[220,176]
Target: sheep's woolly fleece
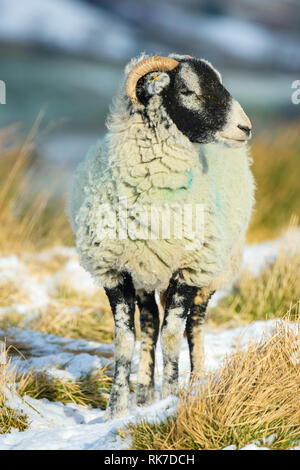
[158,167]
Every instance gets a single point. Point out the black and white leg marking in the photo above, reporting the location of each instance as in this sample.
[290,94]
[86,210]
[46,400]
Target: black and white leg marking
[194,330]
[122,302]
[149,320]
[179,298]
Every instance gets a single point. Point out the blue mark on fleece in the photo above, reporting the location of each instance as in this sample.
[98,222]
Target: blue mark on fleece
[190,178]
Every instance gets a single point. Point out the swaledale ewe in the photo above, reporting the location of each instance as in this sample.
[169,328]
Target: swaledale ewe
[176,142]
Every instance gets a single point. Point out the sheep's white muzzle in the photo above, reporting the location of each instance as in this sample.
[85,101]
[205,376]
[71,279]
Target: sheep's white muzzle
[237,130]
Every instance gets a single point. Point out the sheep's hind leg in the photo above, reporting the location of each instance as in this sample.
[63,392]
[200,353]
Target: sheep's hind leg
[122,301]
[179,298]
[194,330]
[149,320]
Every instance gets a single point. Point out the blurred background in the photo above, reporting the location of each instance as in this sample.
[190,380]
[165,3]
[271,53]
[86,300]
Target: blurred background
[62,60]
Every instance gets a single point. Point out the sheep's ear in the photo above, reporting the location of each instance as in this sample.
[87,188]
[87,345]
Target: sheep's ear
[156,82]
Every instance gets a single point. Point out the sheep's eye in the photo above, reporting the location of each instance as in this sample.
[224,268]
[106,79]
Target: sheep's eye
[187,92]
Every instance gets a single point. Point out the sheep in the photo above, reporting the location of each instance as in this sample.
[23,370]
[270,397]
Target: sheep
[176,138]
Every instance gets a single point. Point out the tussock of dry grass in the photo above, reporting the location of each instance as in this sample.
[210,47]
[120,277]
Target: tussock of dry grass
[270,295]
[93,390]
[255,394]
[28,221]
[9,418]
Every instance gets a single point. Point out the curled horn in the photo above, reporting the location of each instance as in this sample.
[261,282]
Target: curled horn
[150,64]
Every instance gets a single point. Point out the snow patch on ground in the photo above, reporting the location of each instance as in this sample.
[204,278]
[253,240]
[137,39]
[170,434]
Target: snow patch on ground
[59,357]
[38,289]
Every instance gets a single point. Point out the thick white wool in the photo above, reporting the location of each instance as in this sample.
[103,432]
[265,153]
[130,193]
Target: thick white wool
[153,165]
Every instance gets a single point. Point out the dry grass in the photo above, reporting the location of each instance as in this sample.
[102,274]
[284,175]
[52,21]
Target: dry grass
[10,293]
[36,265]
[93,390]
[276,169]
[90,323]
[11,319]
[9,418]
[255,394]
[75,315]
[28,221]
[70,313]
[84,318]
[268,296]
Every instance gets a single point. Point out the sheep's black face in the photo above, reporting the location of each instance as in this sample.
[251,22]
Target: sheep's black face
[196,100]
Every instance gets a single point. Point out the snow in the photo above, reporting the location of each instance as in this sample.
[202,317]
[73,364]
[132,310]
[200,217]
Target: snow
[38,288]
[254,447]
[58,426]
[256,256]
[75,277]
[14,271]
[59,357]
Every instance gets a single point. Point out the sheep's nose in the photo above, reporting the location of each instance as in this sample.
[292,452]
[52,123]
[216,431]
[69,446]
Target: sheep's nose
[245,129]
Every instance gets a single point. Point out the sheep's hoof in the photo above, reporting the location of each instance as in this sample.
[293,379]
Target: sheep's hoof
[118,405]
[145,395]
[115,413]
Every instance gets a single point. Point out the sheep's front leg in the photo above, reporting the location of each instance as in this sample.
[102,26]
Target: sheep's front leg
[149,320]
[179,298]
[122,301]
[194,330]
